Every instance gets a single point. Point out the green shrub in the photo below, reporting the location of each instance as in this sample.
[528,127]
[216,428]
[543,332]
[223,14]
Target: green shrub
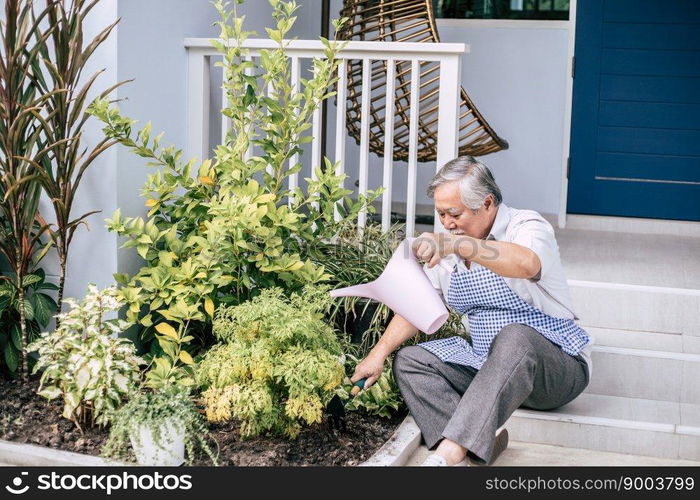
[85,362]
[234,228]
[278,364]
[383,398]
[39,307]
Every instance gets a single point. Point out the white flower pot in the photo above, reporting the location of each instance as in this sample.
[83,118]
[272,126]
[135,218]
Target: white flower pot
[170,451]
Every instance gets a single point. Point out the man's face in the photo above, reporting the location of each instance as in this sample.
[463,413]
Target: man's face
[457,218]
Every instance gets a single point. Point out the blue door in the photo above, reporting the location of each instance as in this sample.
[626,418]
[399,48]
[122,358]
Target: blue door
[635,133]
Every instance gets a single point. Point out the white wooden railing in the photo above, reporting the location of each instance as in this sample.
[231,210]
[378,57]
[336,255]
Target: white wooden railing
[447,55]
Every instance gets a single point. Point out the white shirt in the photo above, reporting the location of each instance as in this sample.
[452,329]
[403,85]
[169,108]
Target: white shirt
[550,293]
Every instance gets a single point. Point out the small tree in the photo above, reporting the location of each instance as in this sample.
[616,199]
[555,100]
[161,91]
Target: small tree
[21,123]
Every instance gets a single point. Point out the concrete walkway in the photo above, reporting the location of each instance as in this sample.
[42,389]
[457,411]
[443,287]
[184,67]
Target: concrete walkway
[530,454]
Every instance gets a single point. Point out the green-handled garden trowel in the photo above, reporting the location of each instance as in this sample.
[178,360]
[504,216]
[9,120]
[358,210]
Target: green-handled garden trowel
[336,407]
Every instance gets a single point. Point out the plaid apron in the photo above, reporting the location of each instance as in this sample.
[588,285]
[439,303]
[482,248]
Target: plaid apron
[490,304]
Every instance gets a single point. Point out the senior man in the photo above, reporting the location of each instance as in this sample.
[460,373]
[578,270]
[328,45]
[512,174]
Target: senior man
[526,349]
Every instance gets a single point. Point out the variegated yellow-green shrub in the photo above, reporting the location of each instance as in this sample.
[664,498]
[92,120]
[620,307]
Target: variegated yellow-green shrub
[278,363]
[85,362]
[219,231]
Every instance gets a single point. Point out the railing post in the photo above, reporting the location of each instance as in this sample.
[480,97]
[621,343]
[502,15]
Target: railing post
[294,160]
[197,103]
[364,137]
[388,144]
[448,114]
[340,126]
[413,149]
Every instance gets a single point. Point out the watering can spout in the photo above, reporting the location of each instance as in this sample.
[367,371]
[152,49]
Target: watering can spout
[405,289]
[365,290]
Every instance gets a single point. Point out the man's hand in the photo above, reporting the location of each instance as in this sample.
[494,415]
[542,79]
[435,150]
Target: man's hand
[432,247]
[370,368]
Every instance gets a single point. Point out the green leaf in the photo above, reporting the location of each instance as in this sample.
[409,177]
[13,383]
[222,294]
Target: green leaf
[72,401]
[147,320]
[16,335]
[82,377]
[186,358]
[249,97]
[121,382]
[47,286]
[168,347]
[44,307]
[31,279]
[166,258]
[121,278]
[142,250]
[209,307]
[276,117]
[11,357]
[166,329]
[28,310]
[50,392]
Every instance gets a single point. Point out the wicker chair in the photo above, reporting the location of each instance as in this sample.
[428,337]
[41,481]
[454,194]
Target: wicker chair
[406,21]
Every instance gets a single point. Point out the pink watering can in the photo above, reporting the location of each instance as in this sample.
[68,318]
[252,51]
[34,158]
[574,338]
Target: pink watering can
[405,289]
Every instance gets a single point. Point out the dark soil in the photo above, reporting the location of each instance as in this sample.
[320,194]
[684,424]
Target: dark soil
[28,418]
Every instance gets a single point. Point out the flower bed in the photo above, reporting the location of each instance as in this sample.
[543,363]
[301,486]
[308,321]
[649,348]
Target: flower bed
[28,418]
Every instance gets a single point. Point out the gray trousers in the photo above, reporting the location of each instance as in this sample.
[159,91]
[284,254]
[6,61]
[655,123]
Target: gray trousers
[467,406]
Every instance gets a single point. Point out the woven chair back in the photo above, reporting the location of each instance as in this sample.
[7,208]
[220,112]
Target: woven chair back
[406,21]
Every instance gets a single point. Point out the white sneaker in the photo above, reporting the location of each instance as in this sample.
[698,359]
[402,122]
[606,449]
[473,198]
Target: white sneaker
[434,460]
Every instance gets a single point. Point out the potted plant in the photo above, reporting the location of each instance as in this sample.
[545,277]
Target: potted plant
[163,428]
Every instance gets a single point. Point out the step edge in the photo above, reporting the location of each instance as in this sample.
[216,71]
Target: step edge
[646,353]
[693,292]
[599,421]
[688,430]
[598,330]
[634,225]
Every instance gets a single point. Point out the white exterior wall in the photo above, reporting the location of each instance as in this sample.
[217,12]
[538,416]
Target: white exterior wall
[93,254]
[517,79]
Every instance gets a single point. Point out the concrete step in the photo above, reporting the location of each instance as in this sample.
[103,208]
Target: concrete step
[645,374]
[614,424]
[638,308]
[631,281]
[519,454]
[630,225]
[650,341]
[634,259]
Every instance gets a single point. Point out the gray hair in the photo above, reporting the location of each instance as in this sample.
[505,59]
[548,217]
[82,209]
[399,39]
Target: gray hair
[475,179]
